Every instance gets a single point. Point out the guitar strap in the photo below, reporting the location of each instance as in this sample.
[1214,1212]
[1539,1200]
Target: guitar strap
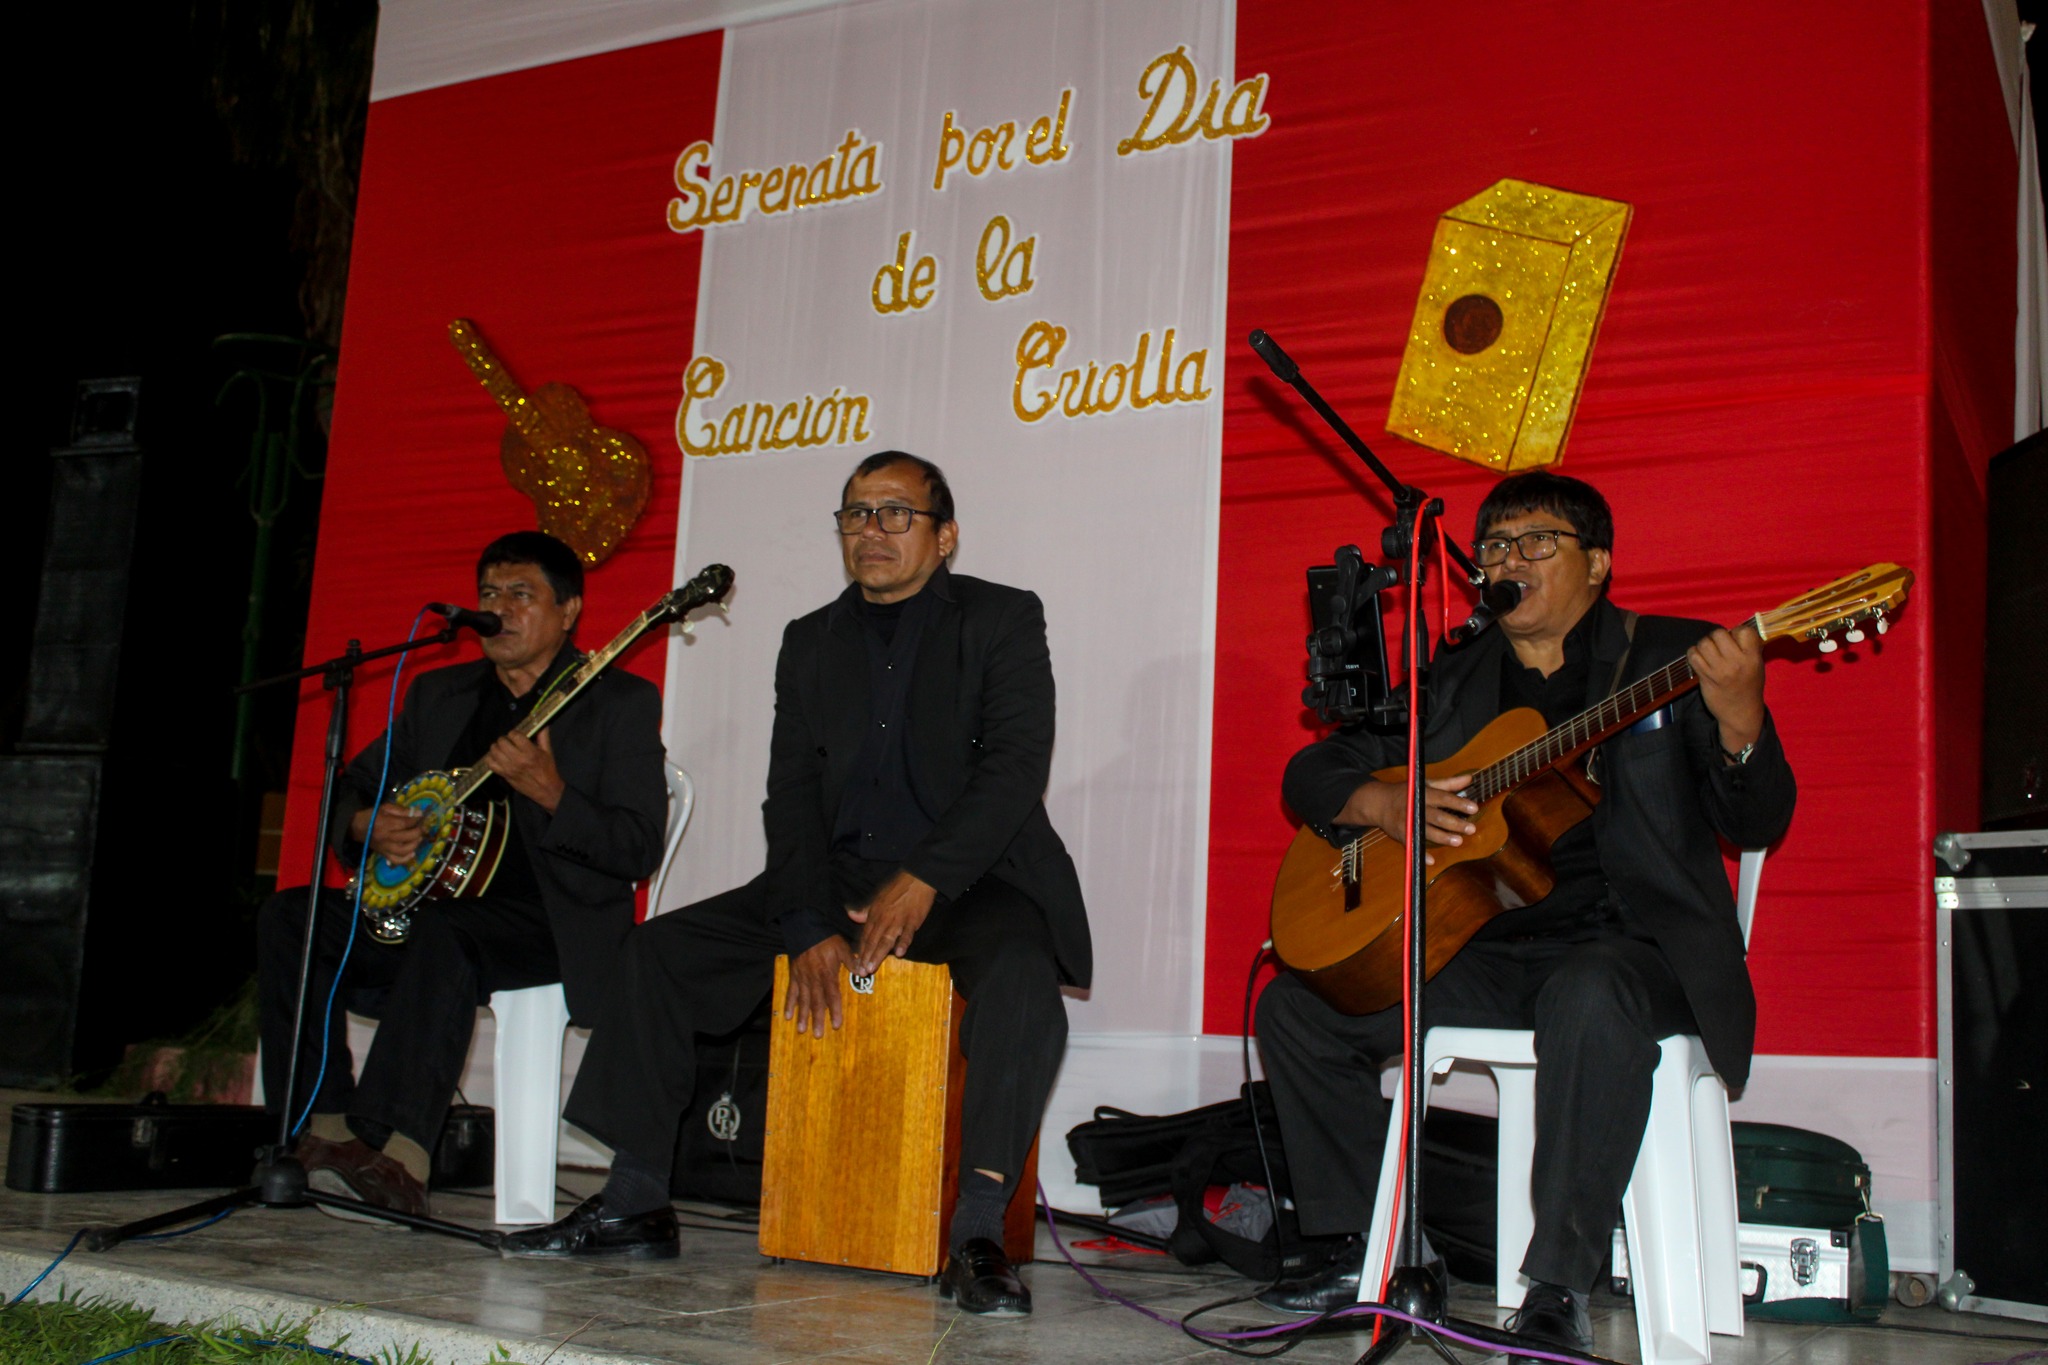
[1628,629]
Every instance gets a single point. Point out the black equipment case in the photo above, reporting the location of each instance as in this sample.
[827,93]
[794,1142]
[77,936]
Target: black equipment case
[73,1147]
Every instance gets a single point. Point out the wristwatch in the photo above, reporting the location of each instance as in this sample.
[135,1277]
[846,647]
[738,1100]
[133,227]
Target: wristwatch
[1740,758]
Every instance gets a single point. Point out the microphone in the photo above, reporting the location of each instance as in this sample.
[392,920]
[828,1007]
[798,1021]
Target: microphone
[1497,601]
[484,623]
[1276,359]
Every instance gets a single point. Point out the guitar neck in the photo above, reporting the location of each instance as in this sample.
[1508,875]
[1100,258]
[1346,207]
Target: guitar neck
[559,695]
[490,372]
[1591,726]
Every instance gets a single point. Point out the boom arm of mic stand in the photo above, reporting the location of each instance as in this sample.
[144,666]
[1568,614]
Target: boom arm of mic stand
[1406,497]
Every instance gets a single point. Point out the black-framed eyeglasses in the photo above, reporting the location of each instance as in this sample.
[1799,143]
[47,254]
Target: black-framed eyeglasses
[1529,544]
[892,517]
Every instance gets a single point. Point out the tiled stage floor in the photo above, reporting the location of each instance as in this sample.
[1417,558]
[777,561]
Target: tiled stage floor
[722,1304]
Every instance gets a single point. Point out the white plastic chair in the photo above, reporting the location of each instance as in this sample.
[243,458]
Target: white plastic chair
[527,1062]
[1679,1209]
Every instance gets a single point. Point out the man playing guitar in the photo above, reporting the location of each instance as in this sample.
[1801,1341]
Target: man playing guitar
[588,809]
[1637,941]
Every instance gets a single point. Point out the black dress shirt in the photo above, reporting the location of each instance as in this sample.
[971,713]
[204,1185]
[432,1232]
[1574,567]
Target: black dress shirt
[497,713]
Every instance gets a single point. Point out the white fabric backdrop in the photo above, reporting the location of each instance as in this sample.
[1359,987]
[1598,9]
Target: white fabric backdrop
[1110,519]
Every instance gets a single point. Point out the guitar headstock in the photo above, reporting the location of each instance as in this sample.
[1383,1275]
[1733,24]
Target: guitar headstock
[709,587]
[1843,605]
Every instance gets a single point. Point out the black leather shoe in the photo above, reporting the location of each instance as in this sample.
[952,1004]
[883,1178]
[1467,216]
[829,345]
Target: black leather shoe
[980,1278]
[1335,1285]
[587,1232]
[1554,1317]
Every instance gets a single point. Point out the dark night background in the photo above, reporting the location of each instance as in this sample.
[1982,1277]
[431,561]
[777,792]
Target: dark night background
[192,171]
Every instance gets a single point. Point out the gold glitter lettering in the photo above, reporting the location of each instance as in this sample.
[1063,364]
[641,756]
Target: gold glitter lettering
[851,171]
[900,285]
[837,418]
[1097,389]
[1172,118]
[989,149]
[1000,268]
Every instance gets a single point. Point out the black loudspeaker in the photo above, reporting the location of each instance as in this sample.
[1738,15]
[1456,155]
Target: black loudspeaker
[50,792]
[95,489]
[2015,791]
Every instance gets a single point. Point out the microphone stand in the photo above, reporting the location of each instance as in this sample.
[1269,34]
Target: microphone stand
[1413,1288]
[279,1180]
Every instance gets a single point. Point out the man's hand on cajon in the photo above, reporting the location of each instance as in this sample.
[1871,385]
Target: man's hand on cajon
[890,919]
[814,977]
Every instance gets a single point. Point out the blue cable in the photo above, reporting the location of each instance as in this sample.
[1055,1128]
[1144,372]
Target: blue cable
[239,1341]
[68,1248]
[72,1245]
[362,870]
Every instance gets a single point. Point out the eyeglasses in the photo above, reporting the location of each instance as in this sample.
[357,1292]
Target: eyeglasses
[892,517]
[1529,544]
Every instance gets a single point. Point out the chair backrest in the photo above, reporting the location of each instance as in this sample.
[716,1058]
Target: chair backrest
[682,796]
[1748,876]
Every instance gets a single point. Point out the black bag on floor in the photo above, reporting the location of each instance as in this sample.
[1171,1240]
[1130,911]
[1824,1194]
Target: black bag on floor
[1129,1156]
[720,1146]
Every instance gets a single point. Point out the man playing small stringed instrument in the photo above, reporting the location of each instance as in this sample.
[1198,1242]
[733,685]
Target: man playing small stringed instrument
[1636,940]
[588,808]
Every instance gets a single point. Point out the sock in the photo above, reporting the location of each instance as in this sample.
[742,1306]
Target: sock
[980,1210]
[634,1186]
[332,1127]
[409,1154]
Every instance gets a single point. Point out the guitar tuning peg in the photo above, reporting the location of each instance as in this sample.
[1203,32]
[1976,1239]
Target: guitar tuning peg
[724,608]
[1882,624]
[689,631]
[1854,635]
[1828,646]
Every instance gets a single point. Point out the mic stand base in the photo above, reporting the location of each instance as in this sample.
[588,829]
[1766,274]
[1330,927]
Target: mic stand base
[280,1183]
[1416,1291]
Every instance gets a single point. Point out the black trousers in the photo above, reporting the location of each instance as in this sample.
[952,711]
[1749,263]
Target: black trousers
[705,968]
[1597,1010]
[423,992]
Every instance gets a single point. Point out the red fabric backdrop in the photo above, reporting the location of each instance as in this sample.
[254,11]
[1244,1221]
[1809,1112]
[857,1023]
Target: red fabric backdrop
[530,203]
[1757,410]
[1805,365]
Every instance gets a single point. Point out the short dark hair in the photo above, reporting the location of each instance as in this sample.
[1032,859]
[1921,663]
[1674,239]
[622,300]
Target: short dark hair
[1539,490]
[559,563]
[941,491]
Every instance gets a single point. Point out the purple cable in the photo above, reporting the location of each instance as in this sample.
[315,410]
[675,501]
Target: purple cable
[1358,1310]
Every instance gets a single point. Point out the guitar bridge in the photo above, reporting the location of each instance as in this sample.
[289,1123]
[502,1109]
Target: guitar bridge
[1347,871]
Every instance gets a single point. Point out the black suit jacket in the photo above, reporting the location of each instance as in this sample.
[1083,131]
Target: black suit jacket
[1666,794]
[606,833]
[980,740]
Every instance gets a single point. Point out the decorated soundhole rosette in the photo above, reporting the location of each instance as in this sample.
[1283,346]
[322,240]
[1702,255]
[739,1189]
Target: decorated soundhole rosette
[1511,300]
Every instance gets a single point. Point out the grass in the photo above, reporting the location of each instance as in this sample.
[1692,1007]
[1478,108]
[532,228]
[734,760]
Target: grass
[71,1331]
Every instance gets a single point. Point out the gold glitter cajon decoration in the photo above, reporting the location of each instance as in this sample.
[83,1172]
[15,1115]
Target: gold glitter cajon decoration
[588,483]
[1518,277]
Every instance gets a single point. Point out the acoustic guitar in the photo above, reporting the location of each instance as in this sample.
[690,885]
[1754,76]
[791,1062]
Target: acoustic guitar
[1337,912]
[464,839]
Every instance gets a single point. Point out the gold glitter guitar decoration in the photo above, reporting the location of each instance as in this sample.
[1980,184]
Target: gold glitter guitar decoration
[464,841]
[588,483]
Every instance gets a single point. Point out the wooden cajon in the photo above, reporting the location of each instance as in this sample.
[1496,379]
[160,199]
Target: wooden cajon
[863,1139]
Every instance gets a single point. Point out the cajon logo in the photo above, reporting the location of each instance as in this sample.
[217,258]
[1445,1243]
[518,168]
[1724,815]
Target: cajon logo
[862,985]
[723,1118]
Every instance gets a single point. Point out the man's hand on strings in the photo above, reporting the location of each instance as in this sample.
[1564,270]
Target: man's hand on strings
[398,834]
[814,977]
[1730,667]
[890,919]
[1384,806]
[528,768]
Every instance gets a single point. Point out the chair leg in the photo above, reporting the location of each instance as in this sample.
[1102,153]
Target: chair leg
[527,1066]
[1713,1150]
[1514,1206]
[1661,1209]
[1386,1209]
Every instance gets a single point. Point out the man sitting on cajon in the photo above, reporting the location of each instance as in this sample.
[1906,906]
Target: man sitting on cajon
[913,736]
